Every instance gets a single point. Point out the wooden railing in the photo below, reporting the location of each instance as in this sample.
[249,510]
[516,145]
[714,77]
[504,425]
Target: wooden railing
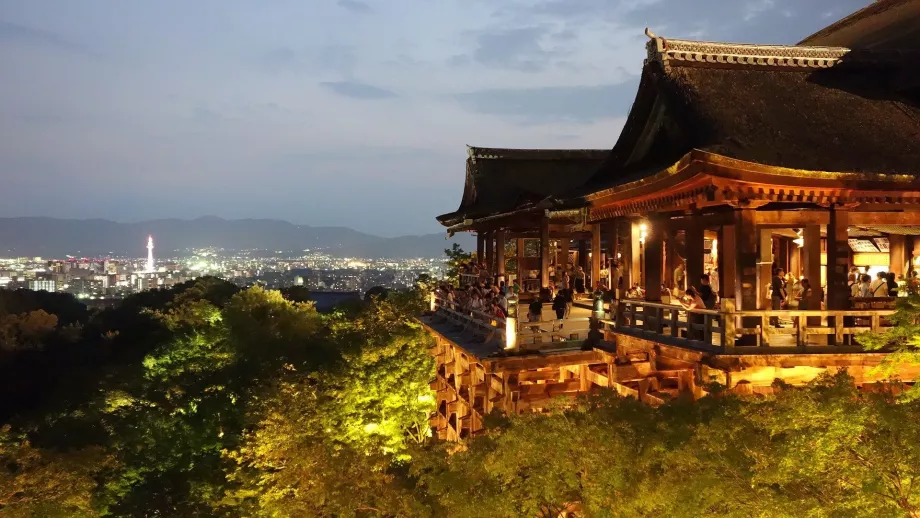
[470,319]
[724,327]
[536,333]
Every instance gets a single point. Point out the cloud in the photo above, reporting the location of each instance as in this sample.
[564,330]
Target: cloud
[573,104]
[11,33]
[336,58]
[354,5]
[516,49]
[357,90]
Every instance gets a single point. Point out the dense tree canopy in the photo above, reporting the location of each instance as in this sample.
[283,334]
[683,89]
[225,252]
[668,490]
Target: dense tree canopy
[205,400]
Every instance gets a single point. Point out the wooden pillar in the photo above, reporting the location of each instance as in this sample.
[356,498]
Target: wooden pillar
[746,271]
[695,245]
[838,265]
[500,256]
[480,246]
[595,256]
[634,247]
[782,253]
[811,262]
[583,255]
[764,267]
[898,255]
[562,254]
[613,246]
[628,251]
[544,252]
[490,252]
[745,260]
[728,250]
[795,259]
[520,261]
[654,246]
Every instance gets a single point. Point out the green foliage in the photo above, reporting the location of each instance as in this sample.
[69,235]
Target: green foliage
[456,257]
[902,339]
[827,450]
[209,401]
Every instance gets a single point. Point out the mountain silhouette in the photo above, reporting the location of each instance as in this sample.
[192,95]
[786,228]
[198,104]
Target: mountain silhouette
[53,237]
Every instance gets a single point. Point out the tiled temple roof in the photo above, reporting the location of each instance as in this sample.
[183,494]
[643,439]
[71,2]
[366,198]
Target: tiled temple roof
[502,180]
[806,108]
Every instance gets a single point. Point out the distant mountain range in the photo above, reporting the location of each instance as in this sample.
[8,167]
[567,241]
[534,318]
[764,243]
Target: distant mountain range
[99,237]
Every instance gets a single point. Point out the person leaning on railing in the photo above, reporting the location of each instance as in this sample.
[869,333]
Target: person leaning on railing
[691,301]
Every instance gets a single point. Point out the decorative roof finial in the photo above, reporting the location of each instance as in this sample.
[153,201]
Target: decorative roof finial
[650,34]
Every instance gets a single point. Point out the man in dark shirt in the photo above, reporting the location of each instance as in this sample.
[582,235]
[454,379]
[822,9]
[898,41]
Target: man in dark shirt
[778,286]
[706,293]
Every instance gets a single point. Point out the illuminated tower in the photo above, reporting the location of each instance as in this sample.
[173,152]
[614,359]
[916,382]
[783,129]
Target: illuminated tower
[150,266]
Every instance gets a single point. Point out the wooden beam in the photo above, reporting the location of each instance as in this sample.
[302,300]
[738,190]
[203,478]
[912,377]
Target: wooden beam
[553,234]
[480,246]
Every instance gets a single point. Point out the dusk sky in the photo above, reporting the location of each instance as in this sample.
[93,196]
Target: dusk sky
[321,112]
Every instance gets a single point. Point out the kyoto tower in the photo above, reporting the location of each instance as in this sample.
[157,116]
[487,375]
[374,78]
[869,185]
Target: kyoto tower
[150,266]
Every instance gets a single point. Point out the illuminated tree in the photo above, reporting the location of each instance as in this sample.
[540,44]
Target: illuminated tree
[456,257]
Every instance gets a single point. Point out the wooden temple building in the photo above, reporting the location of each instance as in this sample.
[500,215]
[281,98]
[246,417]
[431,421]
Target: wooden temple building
[735,161]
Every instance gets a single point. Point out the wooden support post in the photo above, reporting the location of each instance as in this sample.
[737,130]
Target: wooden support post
[583,255]
[613,246]
[838,265]
[811,263]
[728,249]
[520,262]
[595,257]
[544,252]
[764,267]
[490,252]
[694,237]
[480,246]
[562,255]
[745,260]
[746,271]
[632,255]
[654,244]
[500,256]
[898,255]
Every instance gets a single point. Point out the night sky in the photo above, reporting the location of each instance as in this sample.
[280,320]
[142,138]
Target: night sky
[321,112]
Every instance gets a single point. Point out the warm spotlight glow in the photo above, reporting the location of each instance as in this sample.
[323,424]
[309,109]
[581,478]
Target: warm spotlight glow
[510,333]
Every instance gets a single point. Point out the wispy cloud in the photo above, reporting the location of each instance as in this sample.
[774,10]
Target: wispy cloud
[357,90]
[11,33]
[575,104]
[354,5]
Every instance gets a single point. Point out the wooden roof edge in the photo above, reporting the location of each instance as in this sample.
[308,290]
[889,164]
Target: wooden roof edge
[899,180]
[678,51]
[711,164]
[488,153]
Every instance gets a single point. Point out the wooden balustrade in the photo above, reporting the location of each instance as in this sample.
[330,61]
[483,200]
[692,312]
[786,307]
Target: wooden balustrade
[721,328]
[697,327]
[535,333]
[470,318]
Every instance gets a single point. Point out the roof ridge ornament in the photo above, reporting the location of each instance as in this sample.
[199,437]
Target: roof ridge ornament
[689,53]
